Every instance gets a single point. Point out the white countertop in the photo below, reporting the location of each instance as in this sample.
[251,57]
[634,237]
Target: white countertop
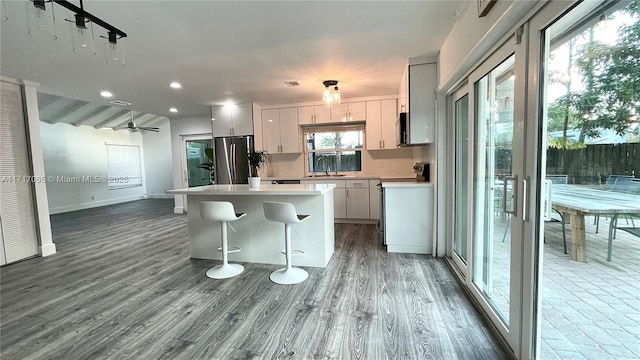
[266,189]
[404,184]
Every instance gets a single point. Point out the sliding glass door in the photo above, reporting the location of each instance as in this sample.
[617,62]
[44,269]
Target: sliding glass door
[496,186]
[461,221]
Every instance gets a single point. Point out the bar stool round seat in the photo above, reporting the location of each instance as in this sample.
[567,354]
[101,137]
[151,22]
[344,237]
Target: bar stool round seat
[223,212]
[285,213]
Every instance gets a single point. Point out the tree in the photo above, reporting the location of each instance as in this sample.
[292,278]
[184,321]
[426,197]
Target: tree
[611,74]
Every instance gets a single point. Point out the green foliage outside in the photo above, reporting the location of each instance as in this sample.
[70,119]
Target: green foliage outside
[611,98]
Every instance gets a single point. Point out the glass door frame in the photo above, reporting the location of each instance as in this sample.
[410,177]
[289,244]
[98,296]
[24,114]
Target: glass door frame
[462,266]
[184,168]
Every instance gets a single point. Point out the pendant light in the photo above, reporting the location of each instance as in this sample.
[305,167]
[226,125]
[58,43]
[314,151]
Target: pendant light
[40,19]
[331,93]
[113,50]
[82,34]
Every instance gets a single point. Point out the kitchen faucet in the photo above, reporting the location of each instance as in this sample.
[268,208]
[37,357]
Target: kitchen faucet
[326,171]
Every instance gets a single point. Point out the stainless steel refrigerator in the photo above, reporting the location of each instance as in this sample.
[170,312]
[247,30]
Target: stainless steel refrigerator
[232,164]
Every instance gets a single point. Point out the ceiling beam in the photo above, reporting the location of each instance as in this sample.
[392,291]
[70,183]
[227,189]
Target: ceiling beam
[90,116]
[117,116]
[71,110]
[107,113]
[45,99]
[157,121]
[47,111]
[147,120]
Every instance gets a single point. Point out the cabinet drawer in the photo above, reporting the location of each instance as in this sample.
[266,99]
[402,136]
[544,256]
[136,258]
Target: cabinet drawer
[350,184]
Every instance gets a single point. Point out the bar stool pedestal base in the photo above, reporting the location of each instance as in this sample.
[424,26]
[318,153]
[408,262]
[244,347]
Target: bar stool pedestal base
[225,271]
[287,277]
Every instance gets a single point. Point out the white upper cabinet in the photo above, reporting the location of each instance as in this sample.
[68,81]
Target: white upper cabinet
[280,131]
[232,119]
[316,114]
[422,103]
[289,131]
[354,111]
[381,124]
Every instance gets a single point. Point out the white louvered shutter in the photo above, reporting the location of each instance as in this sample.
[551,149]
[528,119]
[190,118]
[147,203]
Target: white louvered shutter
[16,198]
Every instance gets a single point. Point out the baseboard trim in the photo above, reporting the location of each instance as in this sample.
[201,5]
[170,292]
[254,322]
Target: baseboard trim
[94,204]
[159,196]
[47,250]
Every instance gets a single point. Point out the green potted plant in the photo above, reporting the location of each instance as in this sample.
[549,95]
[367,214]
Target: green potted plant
[257,159]
[209,165]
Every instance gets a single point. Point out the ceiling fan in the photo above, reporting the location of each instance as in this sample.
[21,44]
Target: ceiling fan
[133,127]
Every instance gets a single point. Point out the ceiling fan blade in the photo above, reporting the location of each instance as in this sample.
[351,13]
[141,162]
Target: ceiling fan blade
[149,128]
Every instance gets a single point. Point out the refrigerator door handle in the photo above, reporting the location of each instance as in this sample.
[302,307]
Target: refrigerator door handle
[233,163]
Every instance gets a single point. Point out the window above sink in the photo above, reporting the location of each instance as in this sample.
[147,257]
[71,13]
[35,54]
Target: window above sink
[333,150]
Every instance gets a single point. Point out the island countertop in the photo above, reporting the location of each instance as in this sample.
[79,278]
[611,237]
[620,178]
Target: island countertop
[264,189]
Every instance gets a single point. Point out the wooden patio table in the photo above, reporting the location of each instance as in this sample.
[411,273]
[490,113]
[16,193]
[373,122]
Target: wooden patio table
[578,201]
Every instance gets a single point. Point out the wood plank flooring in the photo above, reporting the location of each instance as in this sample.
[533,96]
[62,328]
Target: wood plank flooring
[123,287]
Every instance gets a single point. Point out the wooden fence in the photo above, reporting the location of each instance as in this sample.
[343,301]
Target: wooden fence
[593,164]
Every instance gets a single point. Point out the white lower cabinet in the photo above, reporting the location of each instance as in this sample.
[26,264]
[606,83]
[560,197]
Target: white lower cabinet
[408,218]
[357,199]
[339,196]
[352,198]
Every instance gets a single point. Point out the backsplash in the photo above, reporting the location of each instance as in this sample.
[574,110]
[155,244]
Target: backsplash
[396,163]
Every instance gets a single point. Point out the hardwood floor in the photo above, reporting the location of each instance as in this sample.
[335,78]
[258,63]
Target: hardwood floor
[123,287]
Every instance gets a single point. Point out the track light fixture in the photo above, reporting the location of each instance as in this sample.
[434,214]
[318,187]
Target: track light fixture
[41,19]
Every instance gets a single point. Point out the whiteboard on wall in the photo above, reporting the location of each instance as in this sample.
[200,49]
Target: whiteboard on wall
[123,166]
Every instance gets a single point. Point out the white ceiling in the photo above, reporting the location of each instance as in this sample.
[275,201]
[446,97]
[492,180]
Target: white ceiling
[236,51]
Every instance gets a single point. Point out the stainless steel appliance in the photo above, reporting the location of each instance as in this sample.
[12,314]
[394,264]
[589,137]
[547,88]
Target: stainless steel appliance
[232,163]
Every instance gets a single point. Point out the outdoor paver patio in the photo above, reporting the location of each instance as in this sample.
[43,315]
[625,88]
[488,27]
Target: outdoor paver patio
[591,310]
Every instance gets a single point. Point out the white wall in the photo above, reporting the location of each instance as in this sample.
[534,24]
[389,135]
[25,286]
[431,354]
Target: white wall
[179,128]
[157,161]
[472,37]
[81,151]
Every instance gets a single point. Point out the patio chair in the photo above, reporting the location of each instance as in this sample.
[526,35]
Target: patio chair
[563,180]
[613,185]
[627,186]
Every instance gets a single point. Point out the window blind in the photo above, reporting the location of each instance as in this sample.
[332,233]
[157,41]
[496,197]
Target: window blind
[123,166]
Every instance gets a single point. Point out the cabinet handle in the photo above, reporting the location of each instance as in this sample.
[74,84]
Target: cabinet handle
[383,144]
[347,192]
[313,118]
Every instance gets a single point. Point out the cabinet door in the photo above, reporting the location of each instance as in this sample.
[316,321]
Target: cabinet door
[271,130]
[358,203]
[339,112]
[422,103]
[289,131]
[388,121]
[223,122]
[357,111]
[373,129]
[322,114]
[243,119]
[305,115]
[339,203]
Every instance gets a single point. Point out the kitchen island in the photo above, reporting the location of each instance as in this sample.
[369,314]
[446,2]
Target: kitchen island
[261,241]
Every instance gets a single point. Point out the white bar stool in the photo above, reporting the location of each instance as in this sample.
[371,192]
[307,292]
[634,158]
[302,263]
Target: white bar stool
[223,212]
[285,213]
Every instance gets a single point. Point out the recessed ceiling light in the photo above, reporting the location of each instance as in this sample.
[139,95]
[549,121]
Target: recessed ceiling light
[106,94]
[173,110]
[175,85]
